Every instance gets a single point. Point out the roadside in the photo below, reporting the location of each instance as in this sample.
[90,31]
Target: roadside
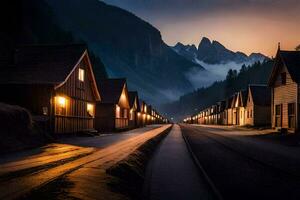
[268,135]
[84,168]
[172,174]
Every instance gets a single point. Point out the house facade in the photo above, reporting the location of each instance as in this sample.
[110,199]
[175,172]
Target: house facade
[134,108]
[55,83]
[258,109]
[284,83]
[112,113]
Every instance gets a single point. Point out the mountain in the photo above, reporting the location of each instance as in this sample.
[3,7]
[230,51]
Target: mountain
[214,53]
[128,46]
[32,22]
[190,103]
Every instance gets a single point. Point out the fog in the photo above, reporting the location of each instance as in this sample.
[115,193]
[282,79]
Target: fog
[214,72]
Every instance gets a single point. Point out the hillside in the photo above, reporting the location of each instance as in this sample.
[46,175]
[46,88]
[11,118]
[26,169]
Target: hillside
[32,22]
[188,104]
[128,46]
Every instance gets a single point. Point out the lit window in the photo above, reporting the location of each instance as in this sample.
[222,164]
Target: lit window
[125,114]
[61,101]
[118,111]
[90,109]
[81,74]
[60,105]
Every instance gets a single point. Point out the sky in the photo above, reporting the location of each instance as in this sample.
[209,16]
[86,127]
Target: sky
[240,25]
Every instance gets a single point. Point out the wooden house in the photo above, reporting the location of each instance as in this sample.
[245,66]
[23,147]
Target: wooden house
[229,110]
[239,107]
[235,109]
[55,83]
[112,113]
[134,108]
[258,109]
[221,112]
[142,115]
[284,82]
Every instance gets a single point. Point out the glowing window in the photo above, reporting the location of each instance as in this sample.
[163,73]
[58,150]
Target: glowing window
[90,109]
[118,111]
[61,101]
[81,74]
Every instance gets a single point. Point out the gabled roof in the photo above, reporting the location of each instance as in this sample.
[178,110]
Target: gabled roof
[45,65]
[234,98]
[42,64]
[111,90]
[229,101]
[243,97]
[261,94]
[291,59]
[132,96]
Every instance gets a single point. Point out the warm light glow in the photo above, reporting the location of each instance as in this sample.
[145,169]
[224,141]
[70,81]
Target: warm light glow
[61,101]
[123,97]
[90,109]
[81,74]
[139,114]
[118,111]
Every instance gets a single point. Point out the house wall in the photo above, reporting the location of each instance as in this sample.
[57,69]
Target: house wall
[105,117]
[229,116]
[282,95]
[32,97]
[75,117]
[262,115]
[242,116]
[249,120]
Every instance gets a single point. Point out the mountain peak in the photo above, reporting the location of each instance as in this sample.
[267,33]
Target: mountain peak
[205,42]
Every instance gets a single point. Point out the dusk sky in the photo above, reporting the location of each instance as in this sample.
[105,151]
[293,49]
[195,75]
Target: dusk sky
[240,25]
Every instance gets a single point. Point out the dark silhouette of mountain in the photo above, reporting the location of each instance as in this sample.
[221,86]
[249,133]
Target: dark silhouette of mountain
[32,22]
[193,102]
[215,53]
[128,46]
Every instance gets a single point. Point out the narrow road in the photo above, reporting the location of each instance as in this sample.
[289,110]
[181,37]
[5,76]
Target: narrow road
[242,167]
[172,174]
[21,176]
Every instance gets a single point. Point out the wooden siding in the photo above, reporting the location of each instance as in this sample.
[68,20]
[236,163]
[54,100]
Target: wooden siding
[283,95]
[77,94]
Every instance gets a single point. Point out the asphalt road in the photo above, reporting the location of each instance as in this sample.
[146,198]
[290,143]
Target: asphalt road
[26,171]
[244,166]
[172,174]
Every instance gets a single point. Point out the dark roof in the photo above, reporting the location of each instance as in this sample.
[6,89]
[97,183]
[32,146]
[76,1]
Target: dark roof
[132,95]
[244,96]
[111,90]
[41,64]
[261,94]
[229,101]
[292,61]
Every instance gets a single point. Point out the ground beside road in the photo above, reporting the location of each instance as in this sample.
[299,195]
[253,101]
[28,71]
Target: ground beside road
[79,169]
[244,166]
